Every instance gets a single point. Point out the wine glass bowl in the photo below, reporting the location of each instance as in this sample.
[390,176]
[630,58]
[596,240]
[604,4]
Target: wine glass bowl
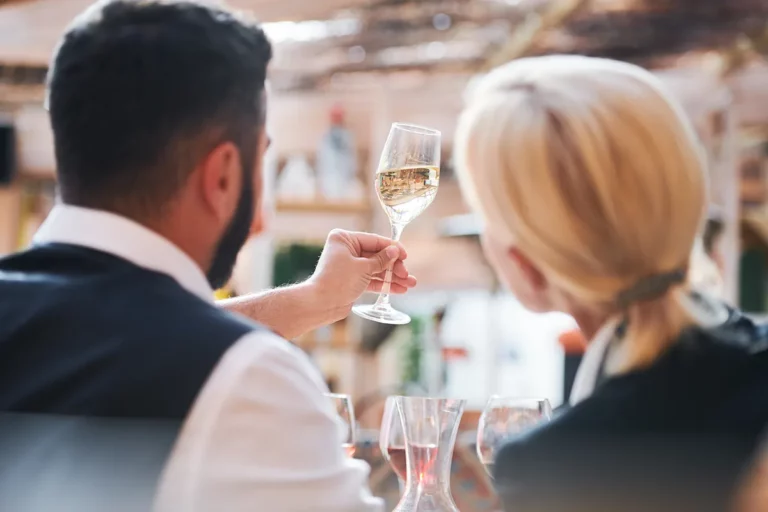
[504,418]
[405,193]
[406,183]
[343,406]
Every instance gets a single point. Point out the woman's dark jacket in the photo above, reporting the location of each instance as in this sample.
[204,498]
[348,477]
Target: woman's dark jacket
[677,436]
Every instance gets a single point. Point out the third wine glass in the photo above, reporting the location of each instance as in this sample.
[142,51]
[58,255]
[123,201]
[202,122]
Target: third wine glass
[406,183]
[502,419]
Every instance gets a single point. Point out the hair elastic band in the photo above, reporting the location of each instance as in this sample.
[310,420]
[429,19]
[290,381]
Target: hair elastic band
[651,287]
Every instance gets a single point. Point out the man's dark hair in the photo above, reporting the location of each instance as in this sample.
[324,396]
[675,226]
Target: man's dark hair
[140,91]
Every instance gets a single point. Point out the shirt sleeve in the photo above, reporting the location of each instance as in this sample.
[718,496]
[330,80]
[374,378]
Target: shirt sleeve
[261,436]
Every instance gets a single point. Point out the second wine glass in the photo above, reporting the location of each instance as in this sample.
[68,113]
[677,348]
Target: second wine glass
[343,406]
[406,183]
[502,419]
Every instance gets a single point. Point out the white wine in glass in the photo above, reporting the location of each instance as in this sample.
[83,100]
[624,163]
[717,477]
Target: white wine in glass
[406,183]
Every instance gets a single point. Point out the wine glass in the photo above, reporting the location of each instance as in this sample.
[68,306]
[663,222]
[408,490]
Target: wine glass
[392,440]
[343,406]
[406,183]
[502,419]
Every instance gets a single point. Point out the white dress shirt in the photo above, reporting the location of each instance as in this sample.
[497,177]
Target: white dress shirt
[261,435]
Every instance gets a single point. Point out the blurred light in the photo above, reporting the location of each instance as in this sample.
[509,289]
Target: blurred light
[397,55]
[457,50]
[435,50]
[303,31]
[460,225]
[441,21]
[356,54]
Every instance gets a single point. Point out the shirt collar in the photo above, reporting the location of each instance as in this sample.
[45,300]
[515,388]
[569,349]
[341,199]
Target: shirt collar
[591,364]
[126,239]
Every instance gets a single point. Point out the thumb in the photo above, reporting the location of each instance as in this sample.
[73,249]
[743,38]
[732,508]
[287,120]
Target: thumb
[383,259]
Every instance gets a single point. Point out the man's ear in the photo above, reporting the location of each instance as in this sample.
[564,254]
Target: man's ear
[535,279]
[221,180]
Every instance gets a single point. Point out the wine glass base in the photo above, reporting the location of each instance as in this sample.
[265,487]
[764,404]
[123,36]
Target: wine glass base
[384,314]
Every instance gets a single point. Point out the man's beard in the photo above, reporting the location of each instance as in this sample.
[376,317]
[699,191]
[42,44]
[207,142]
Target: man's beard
[237,232]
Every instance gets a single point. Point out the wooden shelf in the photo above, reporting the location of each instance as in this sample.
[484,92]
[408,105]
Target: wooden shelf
[322,206]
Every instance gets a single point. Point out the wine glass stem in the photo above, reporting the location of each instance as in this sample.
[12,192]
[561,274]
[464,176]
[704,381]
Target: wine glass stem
[383,300]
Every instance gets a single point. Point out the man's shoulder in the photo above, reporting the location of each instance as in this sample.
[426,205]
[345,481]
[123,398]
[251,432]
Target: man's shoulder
[175,301]
[265,343]
[177,316]
[262,353]
[142,305]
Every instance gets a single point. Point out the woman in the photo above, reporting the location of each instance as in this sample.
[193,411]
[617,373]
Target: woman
[591,185]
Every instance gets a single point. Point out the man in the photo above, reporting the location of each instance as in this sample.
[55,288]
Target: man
[158,110]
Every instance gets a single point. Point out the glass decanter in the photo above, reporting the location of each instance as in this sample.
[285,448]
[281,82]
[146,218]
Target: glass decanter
[430,426]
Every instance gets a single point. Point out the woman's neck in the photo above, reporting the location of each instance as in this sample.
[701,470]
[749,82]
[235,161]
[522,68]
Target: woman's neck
[589,323]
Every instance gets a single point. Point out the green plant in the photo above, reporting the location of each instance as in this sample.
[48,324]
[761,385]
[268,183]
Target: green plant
[413,352]
[294,263]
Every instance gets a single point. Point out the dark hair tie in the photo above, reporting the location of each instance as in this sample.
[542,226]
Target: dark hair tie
[651,287]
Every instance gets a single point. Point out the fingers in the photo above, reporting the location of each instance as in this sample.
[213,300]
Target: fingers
[403,253]
[404,282]
[383,260]
[396,288]
[399,270]
[371,244]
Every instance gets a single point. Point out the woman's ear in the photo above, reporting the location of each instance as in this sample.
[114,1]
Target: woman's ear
[529,271]
[519,274]
[529,284]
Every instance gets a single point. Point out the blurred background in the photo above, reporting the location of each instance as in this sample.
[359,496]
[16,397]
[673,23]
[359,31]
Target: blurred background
[343,71]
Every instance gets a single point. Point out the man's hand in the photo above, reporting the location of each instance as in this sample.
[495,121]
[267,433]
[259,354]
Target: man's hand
[353,263]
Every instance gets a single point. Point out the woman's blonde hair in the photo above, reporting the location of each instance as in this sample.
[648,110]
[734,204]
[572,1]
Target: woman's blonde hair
[592,171]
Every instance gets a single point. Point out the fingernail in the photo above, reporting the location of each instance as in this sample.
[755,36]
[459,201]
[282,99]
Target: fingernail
[392,252]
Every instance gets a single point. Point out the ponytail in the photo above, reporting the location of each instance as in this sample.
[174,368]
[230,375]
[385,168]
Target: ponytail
[655,313]
[652,326]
